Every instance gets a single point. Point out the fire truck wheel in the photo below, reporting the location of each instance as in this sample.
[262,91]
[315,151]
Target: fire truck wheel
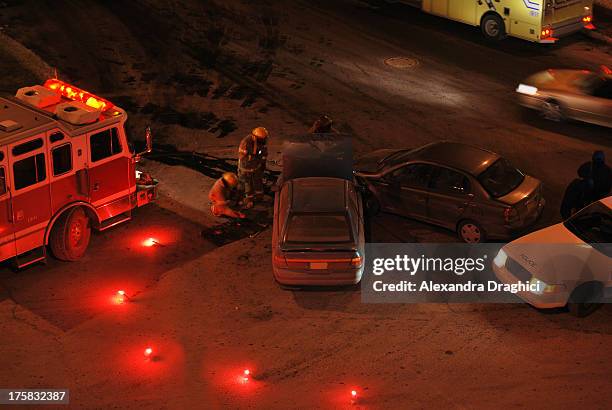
[493,27]
[70,235]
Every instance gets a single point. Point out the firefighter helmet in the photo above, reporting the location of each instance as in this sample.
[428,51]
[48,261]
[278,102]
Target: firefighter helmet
[230,179]
[322,125]
[260,133]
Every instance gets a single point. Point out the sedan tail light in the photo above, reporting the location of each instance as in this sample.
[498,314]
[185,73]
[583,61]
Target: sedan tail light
[357,261]
[280,261]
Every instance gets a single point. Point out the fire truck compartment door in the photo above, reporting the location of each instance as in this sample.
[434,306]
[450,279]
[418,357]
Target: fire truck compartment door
[31,196]
[7,228]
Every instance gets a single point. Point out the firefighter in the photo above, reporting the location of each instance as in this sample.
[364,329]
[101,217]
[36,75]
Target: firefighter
[252,155]
[323,125]
[224,195]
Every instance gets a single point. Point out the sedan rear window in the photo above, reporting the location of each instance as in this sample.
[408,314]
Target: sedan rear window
[318,228]
[501,178]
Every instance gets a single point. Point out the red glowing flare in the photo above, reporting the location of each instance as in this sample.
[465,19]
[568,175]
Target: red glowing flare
[148,352]
[149,242]
[120,297]
[76,94]
[353,394]
[245,375]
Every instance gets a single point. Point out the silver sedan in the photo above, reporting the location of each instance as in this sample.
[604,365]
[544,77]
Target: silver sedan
[570,94]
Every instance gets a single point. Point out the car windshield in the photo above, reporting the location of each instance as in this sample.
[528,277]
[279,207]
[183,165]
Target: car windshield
[501,178]
[318,228]
[593,225]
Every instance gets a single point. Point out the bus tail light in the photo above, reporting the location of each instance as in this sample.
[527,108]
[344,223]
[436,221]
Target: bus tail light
[546,33]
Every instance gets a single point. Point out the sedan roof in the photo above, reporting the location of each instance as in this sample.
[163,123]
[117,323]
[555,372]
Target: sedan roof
[468,158]
[314,195]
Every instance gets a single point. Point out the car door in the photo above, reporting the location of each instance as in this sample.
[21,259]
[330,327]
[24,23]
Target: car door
[449,197]
[407,193]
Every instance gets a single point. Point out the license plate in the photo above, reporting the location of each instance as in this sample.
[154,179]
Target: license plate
[318,265]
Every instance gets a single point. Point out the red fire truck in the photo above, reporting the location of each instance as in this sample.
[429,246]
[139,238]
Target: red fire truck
[65,168]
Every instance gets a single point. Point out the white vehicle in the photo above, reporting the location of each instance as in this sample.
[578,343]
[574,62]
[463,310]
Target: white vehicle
[568,264]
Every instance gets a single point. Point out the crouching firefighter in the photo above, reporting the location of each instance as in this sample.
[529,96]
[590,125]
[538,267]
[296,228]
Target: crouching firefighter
[224,195]
[252,155]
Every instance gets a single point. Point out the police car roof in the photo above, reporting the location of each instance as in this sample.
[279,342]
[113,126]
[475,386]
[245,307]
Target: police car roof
[31,120]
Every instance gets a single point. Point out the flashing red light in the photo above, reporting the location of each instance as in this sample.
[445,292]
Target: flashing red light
[76,94]
[587,19]
[148,352]
[353,396]
[246,375]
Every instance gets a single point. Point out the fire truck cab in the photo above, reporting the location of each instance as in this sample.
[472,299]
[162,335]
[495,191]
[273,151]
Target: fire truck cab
[65,168]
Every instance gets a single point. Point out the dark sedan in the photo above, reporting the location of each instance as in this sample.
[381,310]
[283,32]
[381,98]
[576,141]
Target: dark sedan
[472,191]
[318,231]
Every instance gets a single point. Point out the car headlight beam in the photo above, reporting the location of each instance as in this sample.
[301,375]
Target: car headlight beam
[526,89]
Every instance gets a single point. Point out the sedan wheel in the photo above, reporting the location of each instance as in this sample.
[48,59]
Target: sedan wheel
[470,232]
[551,110]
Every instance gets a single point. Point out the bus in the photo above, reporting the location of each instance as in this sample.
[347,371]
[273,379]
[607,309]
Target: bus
[540,21]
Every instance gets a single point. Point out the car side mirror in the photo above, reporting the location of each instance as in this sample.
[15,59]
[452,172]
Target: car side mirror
[148,142]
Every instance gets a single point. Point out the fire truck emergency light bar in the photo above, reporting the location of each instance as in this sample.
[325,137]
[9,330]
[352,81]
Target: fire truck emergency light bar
[76,94]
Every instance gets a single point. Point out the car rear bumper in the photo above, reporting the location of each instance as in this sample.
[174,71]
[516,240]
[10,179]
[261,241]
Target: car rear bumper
[308,278]
[543,301]
[566,28]
[512,231]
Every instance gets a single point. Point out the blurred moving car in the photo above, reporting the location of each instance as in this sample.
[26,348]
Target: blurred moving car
[571,262]
[318,232]
[569,94]
[472,191]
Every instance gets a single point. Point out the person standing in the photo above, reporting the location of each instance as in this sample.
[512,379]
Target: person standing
[578,193]
[600,174]
[252,156]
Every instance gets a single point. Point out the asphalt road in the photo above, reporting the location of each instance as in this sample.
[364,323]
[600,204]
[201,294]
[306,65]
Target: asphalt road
[210,312]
